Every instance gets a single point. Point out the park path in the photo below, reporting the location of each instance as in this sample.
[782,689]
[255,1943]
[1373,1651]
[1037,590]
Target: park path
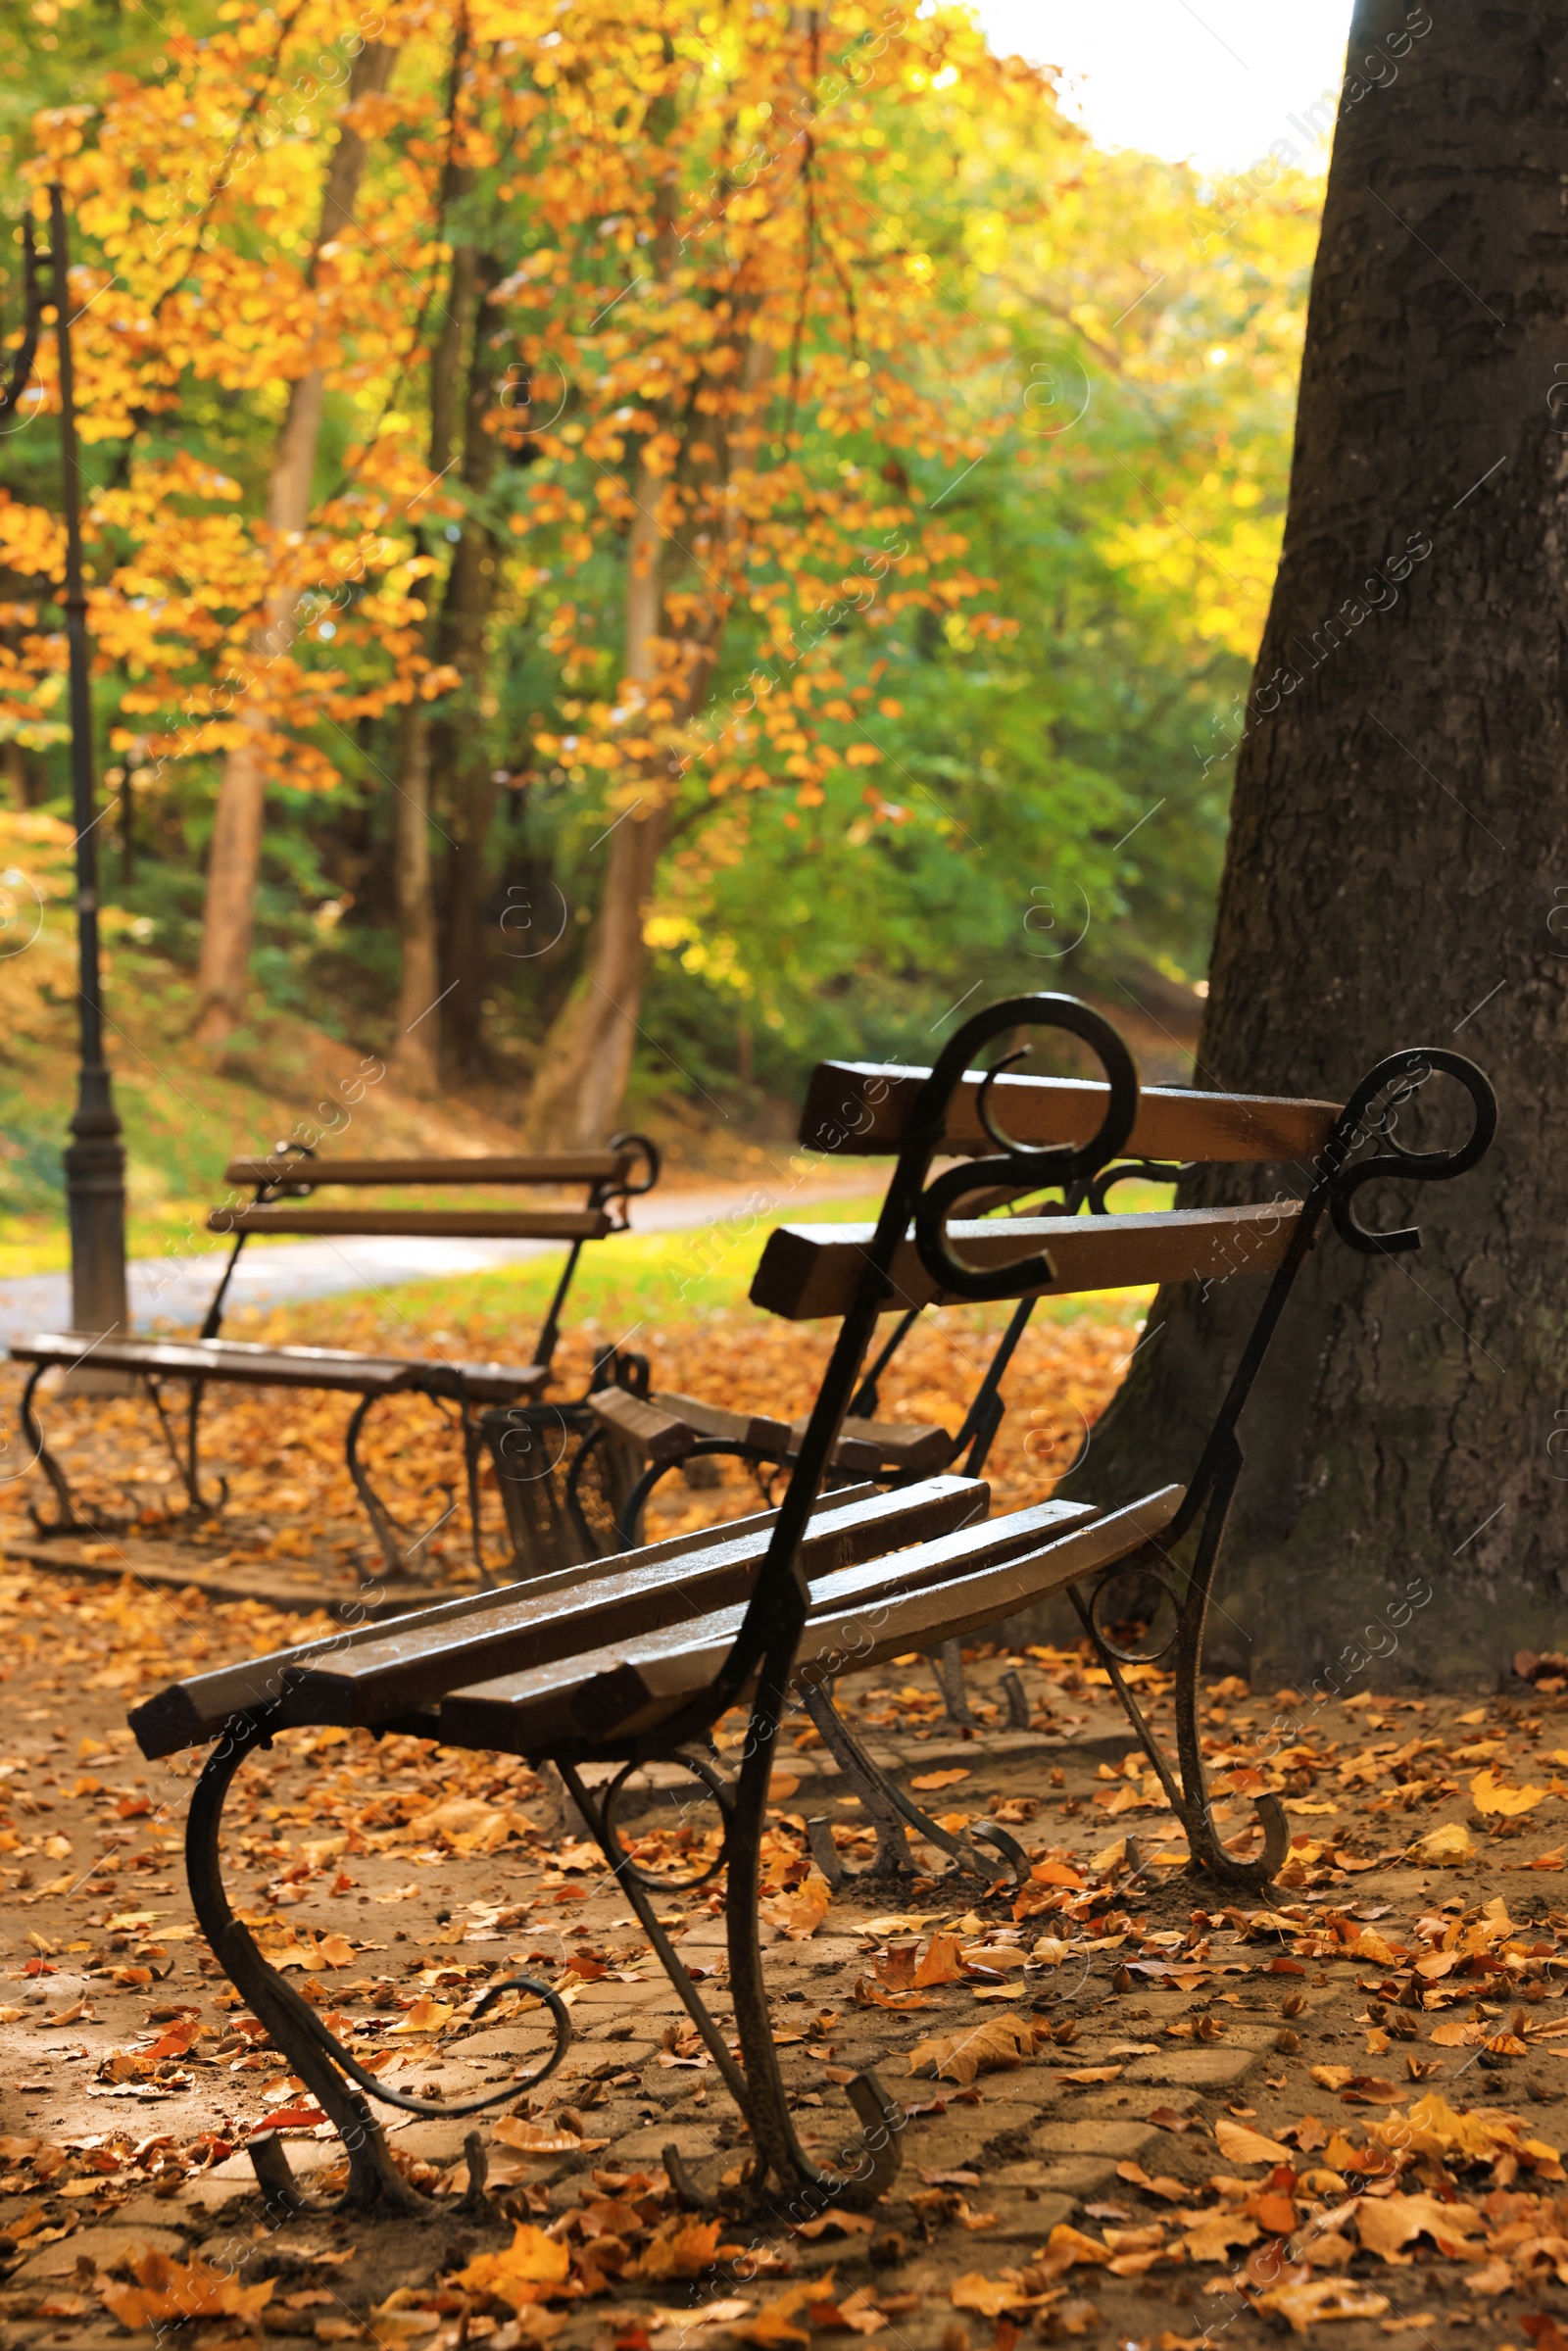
[175,1290]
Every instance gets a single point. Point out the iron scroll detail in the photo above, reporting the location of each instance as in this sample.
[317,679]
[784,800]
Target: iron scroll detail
[1016,1164]
[1406,1072]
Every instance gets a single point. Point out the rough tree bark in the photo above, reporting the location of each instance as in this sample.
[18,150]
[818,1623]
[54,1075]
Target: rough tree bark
[234,858]
[1396,874]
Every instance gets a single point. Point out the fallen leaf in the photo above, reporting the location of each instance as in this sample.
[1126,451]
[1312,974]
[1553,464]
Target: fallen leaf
[927,1782]
[530,2262]
[774,2324]
[800,1912]
[1320,2298]
[1444,1847]
[682,2247]
[1237,2145]
[1385,2224]
[538,2139]
[1489,1795]
[169,2290]
[998,2042]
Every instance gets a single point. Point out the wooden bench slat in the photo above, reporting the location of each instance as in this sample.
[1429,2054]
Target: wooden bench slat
[411,1665]
[664,1425]
[416,1224]
[959,1584]
[861,1107]
[808,1271]
[185,1713]
[251,1364]
[548,1167]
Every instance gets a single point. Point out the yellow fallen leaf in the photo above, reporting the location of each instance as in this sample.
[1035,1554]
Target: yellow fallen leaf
[990,2296]
[927,1782]
[530,2262]
[1332,2077]
[773,2325]
[169,2290]
[998,2042]
[537,2139]
[1444,1847]
[1489,1795]
[425,2016]
[684,2248]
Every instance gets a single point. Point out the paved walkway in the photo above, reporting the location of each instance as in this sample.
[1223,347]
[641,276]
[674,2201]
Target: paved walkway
[177,1291]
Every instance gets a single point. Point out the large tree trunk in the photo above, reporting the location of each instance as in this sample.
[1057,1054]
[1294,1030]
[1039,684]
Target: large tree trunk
[234,858]
[1397,856]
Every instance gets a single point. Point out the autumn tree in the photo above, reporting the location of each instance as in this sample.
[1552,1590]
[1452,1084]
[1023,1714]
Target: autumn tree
[1394,878]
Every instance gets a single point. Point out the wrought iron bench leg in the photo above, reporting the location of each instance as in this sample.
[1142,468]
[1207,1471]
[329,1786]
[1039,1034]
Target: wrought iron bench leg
[188,1463]
[946,1663]
[64,1520]
[894,1813]
[872,2160]
[335,2079]
[398,1555]
[1184,1780]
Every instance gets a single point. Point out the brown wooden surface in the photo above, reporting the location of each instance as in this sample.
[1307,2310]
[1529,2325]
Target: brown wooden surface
[860,1107]
[412,1665]
[560,1167]
[187,1712]
[449,1224]
[657,1435]
[860,1616]
[253,1365]
[810,1271]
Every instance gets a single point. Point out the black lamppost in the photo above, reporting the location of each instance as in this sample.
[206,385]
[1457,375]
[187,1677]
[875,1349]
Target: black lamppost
[95,1158]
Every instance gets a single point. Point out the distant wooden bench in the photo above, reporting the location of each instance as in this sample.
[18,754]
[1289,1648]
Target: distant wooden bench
[635,1658]
[285,1185]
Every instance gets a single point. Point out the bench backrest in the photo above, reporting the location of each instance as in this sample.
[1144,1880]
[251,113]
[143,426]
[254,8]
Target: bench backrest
[285,1181]
[864,1107]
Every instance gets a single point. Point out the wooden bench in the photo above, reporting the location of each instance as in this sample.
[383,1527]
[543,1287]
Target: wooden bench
[285,1185]
[860,1107]
[632,1660]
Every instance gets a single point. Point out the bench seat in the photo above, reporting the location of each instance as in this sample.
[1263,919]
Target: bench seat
[252,1364]
[365,1675]
[859,1615]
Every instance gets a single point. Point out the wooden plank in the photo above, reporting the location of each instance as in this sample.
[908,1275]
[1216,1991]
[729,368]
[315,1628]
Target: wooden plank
[250,1364]
[412,1666]
[173,1565]
[861,1107]
[808,1271]
[558,1167]
[658,1435]
[898,1444]
[418,1224]
[187,1712]
[860,1616]
[755,1429]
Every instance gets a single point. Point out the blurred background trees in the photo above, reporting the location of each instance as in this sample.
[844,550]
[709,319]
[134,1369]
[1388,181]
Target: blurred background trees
[628,555]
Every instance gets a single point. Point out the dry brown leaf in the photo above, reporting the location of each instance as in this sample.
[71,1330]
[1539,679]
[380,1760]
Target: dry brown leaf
[801,1910]
[928,1782]
[997,2044]
[1214,2235]
[940,1963]
[538,2139]
[1318,2298]
[1237,2145]
[1385,2224]
[773,2325]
